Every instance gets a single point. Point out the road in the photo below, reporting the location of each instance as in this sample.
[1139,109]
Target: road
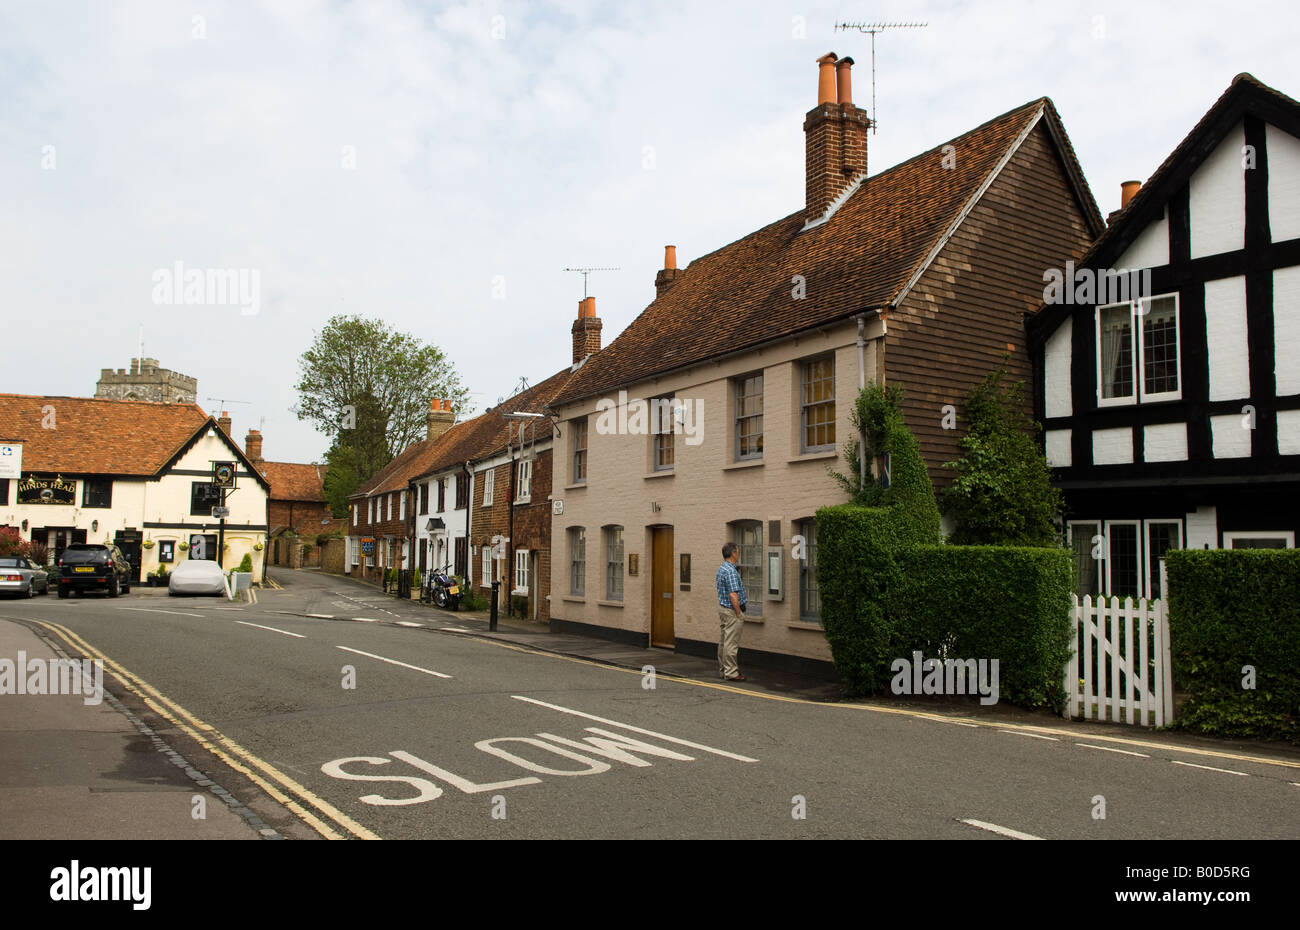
[374,720]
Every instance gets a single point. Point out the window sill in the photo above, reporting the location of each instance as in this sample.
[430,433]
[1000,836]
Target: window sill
[575,486]
[735,466]
[574,599]
[753,618]
[523,500]
[609,603]
[806,625]
[814,456]
[665,473]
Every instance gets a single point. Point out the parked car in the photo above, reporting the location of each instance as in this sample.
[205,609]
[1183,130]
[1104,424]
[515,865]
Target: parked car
[23,577]
[197,576]
[87,566]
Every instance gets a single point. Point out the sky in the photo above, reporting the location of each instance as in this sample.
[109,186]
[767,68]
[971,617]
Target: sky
[439,165]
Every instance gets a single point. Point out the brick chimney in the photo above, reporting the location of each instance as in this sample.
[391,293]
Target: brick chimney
[253,448]
[835,137]
[668,275]
[224,422]
[586,329]
[440,417]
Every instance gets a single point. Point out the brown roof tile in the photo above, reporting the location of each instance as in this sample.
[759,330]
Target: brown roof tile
[97,436]
[294,482]
[860,259]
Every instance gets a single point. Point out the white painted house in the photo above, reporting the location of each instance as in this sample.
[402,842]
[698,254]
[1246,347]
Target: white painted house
[1171,413]
[135,474]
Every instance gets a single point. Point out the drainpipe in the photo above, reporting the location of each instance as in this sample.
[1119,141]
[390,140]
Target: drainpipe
[862,384]
[469,508]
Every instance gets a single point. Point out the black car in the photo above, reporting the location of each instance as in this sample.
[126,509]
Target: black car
[83,566]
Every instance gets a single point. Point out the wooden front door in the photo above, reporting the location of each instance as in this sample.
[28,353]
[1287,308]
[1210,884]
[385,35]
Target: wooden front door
[661,587]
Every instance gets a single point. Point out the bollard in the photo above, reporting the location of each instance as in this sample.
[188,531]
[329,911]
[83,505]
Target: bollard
[492,617]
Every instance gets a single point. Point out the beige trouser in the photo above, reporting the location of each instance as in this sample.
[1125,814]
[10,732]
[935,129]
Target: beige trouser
[729,641]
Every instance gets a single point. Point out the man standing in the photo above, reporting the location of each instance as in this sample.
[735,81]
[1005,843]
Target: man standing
[732,600]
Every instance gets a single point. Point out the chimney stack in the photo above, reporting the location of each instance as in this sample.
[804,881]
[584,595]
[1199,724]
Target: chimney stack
[668,275]
[1126,191]
[586,330]
[440,418]
[224,422]
[253,448]
[835,137]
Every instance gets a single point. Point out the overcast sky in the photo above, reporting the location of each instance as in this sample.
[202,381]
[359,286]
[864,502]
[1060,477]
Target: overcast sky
[411,161]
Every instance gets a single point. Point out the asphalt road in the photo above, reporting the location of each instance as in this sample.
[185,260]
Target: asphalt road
[386,722]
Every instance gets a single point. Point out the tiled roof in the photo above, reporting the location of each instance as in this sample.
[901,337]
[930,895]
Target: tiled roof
[860,259]
[97,436]
[294,482]
[482,437]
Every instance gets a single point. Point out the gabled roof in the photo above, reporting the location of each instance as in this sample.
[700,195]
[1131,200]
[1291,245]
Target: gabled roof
[1245,95]
[473,440]
[102,436]
[291,481]
[864,257]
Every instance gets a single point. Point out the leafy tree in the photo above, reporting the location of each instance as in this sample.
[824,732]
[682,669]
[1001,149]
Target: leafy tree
[1002,494]
[369,387]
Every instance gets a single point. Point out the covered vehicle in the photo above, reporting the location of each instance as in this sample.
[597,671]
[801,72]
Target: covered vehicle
[197,576]
[21,576]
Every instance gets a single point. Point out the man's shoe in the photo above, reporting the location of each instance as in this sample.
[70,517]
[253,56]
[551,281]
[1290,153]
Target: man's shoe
[737,678]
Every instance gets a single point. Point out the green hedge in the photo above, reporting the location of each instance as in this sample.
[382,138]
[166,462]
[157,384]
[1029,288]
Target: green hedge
[1231,608]
[989,602]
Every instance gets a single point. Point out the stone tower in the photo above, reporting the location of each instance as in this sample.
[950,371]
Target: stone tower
[146,381]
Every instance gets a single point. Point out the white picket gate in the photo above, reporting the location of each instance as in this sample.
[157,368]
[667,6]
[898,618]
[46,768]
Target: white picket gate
[1122,673]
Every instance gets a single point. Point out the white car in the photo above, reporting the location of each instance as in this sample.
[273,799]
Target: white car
[21,576]
[197,576]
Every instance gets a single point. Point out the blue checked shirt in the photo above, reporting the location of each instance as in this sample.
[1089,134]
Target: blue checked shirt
[728,581]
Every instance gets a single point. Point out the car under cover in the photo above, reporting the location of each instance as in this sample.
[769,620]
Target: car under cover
[197,576]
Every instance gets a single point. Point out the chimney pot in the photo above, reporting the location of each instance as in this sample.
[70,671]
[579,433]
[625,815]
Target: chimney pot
[843,80]
[670,258]
[1126,191]
[826,79]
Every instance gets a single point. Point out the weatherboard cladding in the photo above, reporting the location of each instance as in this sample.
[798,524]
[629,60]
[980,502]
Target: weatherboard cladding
[967,309]
[740,296]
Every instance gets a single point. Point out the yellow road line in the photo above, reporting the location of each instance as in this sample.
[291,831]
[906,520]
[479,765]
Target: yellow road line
[222,746]
[903,712]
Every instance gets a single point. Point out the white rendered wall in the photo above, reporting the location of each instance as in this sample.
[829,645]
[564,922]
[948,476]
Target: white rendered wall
[1217,201]
[1225,336]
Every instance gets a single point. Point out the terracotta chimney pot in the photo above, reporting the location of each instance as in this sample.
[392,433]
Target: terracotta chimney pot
[1126,191]
[670,258]
[843,80]
[826,79]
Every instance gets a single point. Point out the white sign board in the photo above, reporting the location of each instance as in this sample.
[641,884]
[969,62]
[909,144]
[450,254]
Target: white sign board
[11,460]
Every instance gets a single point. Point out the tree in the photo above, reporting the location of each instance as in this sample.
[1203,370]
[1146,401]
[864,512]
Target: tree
[369,387]
[1002,494]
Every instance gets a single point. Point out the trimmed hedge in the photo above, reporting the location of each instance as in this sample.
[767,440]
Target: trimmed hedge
[1230,608]
[1008,603]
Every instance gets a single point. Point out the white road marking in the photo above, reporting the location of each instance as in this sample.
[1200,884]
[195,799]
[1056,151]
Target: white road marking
[1032,735]
[157,610]
[454,629]
[947,720]
[1001,831]
[408,623]
[365,619]
[393,662]
[322,616]
[1209,768]
[271,628]
[227,608]
[1125,752]
[628,726]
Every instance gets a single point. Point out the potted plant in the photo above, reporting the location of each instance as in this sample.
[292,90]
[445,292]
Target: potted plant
[158,579]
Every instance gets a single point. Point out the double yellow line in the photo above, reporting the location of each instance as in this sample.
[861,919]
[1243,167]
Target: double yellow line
[275,783]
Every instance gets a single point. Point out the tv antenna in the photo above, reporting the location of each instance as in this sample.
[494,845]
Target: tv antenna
[872,29]
[223,401]
[586,271]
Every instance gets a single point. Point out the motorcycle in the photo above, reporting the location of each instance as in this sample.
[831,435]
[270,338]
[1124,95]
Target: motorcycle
[446,593]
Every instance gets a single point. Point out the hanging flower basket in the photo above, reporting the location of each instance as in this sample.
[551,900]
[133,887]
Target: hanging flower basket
[257,547]
[184,547]
[148,543]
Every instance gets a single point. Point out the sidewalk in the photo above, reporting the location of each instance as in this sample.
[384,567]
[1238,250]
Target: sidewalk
[76,771]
